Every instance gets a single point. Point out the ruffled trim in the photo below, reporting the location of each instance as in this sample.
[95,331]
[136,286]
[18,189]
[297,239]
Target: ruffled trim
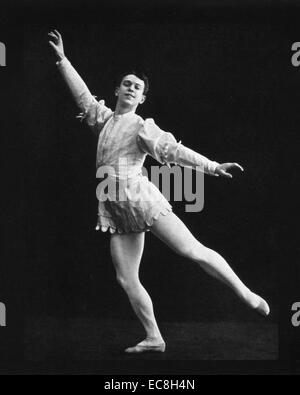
[163,211]
[113,230]
[106,224]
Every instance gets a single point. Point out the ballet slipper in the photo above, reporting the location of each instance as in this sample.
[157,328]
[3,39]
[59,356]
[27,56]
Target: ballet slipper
[258,304]
[263,308]
[141,348]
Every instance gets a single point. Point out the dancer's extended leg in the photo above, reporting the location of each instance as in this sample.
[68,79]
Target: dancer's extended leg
[171,230]
[126,252]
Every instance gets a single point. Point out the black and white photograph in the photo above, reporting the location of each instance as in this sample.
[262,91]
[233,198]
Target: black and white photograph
[149,194]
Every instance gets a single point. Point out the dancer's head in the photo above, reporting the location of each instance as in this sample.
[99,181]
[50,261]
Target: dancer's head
[132,88]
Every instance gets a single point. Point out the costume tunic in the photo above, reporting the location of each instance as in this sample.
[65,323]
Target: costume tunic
[128,201]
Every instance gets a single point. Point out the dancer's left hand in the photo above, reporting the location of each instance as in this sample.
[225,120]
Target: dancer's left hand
[222,169]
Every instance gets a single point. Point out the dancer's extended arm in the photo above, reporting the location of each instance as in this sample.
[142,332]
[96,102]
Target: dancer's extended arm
[165,149]
[94,112]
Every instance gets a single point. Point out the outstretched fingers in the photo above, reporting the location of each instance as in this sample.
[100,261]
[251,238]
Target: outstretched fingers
[53,39]
[52,44]
[228,166]
[225,174]
[53,35]
[236,165]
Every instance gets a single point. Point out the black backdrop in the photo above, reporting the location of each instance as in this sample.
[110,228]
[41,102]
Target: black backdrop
[222,81]
[214,85]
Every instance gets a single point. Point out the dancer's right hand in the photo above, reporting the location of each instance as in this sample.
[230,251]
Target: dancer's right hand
[57,44]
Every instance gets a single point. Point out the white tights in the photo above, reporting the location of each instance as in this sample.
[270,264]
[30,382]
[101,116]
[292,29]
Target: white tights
[127,250]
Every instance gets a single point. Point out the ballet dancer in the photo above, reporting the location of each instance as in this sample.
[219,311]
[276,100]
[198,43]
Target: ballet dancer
[124,134]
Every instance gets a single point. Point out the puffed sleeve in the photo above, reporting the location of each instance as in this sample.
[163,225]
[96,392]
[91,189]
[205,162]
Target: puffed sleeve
[163,147]
[94,112]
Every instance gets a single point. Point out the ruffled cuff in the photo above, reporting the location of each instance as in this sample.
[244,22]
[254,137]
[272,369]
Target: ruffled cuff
[186,157]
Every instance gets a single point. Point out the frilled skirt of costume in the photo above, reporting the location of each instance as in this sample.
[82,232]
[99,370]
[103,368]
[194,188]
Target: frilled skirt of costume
[131,205]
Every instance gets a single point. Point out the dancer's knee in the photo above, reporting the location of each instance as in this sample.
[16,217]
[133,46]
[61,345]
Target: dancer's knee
[127,283]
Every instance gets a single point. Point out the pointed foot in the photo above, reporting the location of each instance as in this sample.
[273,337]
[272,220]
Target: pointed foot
[263,308]
[258,304]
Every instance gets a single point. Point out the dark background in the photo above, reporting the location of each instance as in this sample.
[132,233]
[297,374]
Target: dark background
[221,81]
[214,85]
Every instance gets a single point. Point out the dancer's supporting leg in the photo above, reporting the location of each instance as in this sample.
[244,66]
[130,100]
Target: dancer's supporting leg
[126,252]
[172,231]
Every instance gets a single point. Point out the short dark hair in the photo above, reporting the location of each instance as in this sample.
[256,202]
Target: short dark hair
[139,74]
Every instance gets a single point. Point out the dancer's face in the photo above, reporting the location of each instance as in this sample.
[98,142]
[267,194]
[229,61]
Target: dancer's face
[131,91]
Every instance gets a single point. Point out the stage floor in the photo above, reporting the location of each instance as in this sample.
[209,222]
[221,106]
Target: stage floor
[86,339]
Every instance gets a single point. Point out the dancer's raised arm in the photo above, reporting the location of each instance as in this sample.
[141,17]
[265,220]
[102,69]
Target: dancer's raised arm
[95,113]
